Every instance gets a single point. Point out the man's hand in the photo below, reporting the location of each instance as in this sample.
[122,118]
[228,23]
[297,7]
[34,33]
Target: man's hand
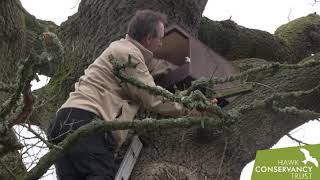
[196,113]
[214,101]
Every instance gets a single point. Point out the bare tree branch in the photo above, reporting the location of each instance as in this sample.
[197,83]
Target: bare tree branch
[49,145]
[315,2]
[297,140]
[222,158]
[289,15]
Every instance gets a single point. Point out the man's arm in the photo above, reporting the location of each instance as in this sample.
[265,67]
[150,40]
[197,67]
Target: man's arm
[160,66]
[154,103]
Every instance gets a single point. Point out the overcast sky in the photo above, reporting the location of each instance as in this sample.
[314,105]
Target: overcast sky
[265,15]
[257,14]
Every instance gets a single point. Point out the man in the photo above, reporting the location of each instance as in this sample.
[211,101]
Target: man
[98,93]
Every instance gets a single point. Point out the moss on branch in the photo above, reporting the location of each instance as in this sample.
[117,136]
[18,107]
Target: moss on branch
[269,67]
[195,100]
[102,126]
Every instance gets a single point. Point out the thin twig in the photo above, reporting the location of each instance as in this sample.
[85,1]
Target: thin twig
[314,2]
[75,5]
[295,139]
[222,158]
[264,85]
[41,138]
[289,15]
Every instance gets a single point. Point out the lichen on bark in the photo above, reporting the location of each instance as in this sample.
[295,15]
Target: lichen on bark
[211,153]
[301,35]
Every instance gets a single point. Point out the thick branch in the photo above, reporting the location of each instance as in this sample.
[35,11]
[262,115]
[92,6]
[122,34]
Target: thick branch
[194,100]
[306,114]
[28,101]
[277,97]
[26,72]
[25,75]
[101,126]
[269,67]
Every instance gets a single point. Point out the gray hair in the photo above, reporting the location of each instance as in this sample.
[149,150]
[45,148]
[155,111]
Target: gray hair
[145,22]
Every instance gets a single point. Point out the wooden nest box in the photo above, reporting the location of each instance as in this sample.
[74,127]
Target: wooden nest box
[177,47]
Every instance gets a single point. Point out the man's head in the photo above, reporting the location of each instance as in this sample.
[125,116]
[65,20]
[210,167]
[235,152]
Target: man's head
[147,27]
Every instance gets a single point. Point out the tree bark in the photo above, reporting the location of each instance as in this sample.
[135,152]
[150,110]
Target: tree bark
[236,42]
[291,42]
[301,35]
[88,32]
[12,49]
[262,117]
[259,125]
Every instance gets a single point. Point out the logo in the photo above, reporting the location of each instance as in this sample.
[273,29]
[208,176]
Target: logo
[308,158]
[293,163]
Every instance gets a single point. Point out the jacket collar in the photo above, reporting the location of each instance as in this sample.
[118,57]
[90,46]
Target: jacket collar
[148,55]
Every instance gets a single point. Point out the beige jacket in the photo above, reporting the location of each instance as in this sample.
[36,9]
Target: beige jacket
[99,91]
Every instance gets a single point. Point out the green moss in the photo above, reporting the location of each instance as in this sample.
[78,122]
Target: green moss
[54,94]
[301,36]
[246,64]
[60,77]
[293,29]
[311,58]
[30,23]
[37,26]
[237,42]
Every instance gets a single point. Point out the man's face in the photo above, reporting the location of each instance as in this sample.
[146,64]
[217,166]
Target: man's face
[154,43]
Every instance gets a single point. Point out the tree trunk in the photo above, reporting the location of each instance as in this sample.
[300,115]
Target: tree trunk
[88,32]
[221,153]
[19,34]
[12,50]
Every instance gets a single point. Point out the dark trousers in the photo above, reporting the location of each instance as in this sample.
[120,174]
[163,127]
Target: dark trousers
[91,158]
